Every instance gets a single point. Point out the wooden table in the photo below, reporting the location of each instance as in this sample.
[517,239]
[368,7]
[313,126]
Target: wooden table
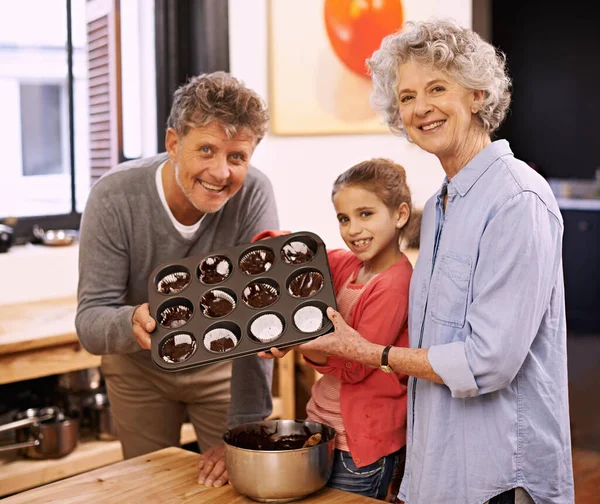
[168,475]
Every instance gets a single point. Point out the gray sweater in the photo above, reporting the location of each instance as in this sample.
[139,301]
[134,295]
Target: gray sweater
[126,233]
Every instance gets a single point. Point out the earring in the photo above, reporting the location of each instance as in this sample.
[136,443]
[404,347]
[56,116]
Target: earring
[398,225]
[474,110]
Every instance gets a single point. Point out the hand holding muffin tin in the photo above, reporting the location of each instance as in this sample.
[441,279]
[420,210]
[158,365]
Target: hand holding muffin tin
[239,301]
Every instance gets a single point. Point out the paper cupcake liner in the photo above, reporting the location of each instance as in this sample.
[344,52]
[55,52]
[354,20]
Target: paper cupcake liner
[308,319]
[266,328]
[173,282]
[218,334]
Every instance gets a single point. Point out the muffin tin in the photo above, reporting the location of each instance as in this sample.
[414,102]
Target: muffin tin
[236,302]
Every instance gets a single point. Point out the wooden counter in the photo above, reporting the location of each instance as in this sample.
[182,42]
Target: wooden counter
[39,339]
[168,475]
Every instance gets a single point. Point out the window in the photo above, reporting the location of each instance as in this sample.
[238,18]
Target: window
[44,106]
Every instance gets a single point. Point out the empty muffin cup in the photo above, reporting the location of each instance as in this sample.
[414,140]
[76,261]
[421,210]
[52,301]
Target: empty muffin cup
[217,303]
[222,338]
[177,348]
[305,284]
[300,250]
[266,328]
[260,294]
[173,280]
[310,318]
[175,313]
[214,269]
[257,261]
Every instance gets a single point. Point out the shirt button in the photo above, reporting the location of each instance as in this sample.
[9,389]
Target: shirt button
[357,461]
[348,365]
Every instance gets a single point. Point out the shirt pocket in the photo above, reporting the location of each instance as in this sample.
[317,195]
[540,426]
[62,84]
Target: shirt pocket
[451,290]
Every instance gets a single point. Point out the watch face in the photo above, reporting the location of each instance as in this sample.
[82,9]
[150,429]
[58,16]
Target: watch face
[386,369]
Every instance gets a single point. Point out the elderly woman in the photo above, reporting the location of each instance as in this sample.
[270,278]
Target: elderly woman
[488,416]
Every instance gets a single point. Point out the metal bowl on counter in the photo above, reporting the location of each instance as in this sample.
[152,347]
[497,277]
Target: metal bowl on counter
[266,461]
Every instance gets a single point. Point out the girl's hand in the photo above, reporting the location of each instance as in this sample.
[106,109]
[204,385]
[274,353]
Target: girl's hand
[275,353]
[343,342]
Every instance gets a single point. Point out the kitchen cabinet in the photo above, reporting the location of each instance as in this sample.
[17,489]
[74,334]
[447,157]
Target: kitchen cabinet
[581,265]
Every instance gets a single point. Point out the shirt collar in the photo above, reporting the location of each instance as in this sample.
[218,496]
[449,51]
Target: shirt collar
[467,176]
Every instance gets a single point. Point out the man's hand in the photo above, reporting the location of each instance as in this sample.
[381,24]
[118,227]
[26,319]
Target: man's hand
[143,325]
[211,467]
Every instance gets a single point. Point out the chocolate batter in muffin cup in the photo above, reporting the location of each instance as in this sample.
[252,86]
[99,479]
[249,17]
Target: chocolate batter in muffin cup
[220,340]
[214,269]
[305,284]
[175,313]
[260,294]
[298,251]
[217,303]
[257,261]
[177,348]
[173,281]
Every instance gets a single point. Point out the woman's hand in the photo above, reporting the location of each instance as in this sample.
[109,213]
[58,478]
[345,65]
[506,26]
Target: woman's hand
[343,342]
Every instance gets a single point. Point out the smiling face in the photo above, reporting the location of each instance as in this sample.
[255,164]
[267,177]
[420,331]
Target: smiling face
[209,168]
[437,112]
[367,226]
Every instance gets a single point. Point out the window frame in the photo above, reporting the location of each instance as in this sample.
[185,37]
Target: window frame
[191,37]
[23,227]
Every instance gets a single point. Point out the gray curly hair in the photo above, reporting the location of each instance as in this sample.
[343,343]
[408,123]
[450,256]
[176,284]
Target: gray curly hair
[459,52]
[218,96]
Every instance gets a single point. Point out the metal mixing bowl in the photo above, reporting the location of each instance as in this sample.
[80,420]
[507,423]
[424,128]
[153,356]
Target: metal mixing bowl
[282,475]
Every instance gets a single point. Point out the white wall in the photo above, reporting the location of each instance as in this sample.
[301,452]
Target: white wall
[303,169]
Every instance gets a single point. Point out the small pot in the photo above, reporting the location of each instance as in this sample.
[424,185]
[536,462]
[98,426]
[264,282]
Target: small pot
[54,237]
[97,407]
[6,237]
[83,380]
[43,434]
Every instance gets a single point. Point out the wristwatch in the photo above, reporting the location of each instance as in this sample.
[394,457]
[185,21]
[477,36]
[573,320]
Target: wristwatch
[384,366]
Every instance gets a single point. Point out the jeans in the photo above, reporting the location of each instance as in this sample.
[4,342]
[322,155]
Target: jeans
[371,481]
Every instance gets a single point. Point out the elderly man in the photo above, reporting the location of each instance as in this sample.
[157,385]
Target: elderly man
[201,195]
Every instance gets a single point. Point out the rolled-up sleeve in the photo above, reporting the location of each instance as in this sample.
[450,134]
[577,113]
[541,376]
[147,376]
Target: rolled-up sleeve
[519,256]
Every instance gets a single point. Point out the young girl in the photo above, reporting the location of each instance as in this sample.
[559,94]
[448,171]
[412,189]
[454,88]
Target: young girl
[366,406]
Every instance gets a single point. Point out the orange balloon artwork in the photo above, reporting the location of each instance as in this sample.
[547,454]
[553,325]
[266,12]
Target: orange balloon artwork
[356,28]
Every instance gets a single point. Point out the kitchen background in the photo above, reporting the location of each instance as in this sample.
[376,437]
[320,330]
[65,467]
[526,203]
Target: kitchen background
[74,102]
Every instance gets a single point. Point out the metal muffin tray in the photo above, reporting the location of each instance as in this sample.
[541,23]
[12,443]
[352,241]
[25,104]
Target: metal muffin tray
[213,307]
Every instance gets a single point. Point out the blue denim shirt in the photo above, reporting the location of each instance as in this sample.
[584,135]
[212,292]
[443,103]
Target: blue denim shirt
[487,300]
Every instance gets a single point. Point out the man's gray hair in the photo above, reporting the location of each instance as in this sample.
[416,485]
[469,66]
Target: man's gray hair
[218,97]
